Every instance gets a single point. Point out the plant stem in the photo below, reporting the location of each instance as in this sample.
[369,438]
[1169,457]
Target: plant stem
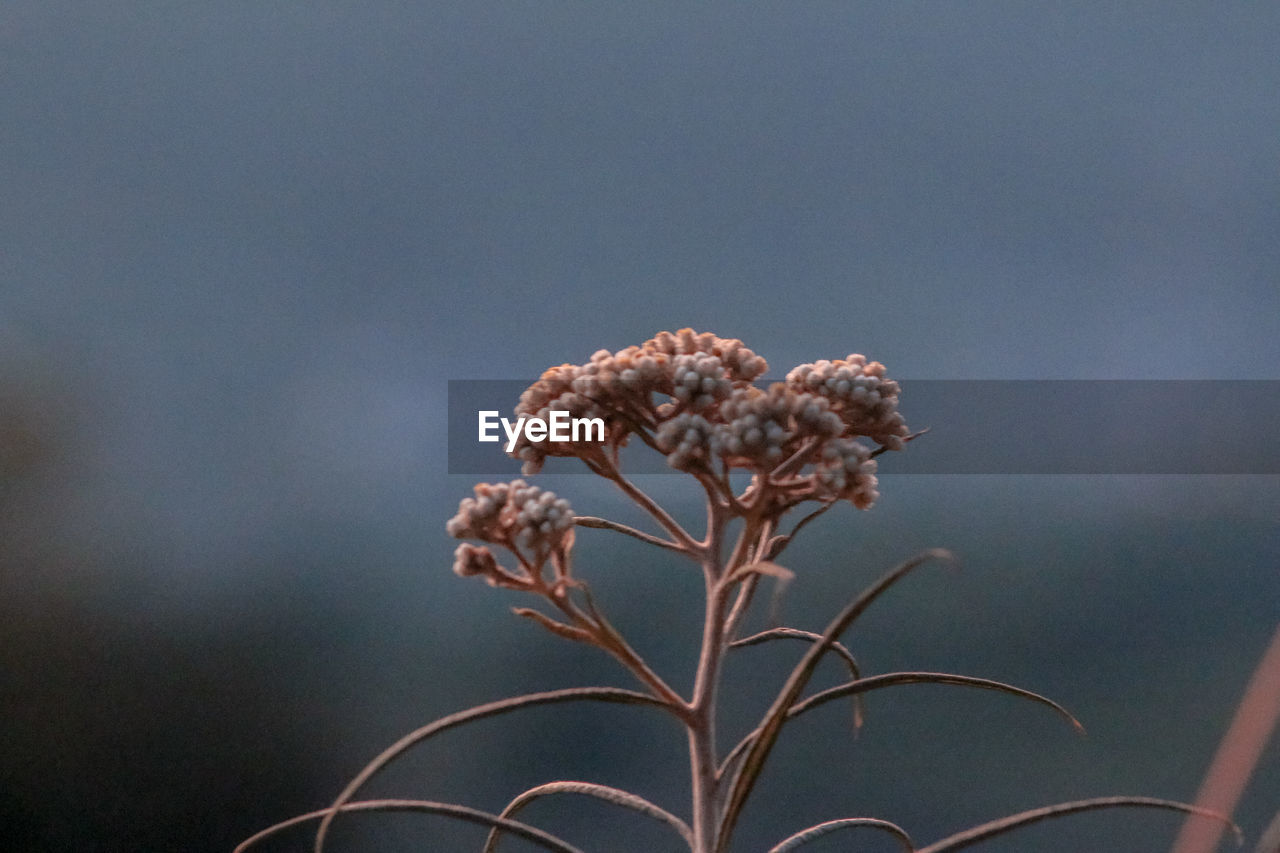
[607,637]
[703,764]
[679,534]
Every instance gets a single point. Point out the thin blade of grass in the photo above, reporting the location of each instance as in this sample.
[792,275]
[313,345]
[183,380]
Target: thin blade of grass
[752,763]
[530,833]
[572,694]
[616,796]
[804,836]
[1000,827]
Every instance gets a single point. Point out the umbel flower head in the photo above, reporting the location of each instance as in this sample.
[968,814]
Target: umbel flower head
[530,522]
[638,388]
[692,397]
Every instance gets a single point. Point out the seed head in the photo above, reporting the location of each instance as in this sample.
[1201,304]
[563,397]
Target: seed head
[689,440]
[846,471]
[645,386]
[866,402]
[519,516]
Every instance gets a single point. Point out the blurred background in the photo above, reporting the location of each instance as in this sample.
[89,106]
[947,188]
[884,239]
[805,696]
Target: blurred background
[245,246]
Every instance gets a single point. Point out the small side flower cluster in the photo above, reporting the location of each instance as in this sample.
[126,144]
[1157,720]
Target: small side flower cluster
[530,522]
[866,402]
[847,472]
[691,396]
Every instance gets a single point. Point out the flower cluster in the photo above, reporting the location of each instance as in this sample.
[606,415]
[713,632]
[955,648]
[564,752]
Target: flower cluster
[691,396]
[689,440]
[640,387]
[866,402]
[530,522]
[847,472]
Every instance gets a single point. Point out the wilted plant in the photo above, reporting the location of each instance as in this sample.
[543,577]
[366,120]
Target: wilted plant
[812,439]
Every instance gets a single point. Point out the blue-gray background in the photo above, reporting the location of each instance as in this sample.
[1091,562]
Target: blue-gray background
[245,245]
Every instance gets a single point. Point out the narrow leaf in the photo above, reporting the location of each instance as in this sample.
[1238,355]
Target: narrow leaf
[537,836]
[796,634]
[814,832]
[769,729]
[1000,827]
[572,694]
[753,571]
[618,797]
[560,629]
[763,567]
[781,541]
[874,682]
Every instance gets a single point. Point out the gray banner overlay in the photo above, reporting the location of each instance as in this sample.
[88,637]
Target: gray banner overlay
[994,427]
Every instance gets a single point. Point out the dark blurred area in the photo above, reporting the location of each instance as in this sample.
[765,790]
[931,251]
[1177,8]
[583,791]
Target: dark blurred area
[245,247]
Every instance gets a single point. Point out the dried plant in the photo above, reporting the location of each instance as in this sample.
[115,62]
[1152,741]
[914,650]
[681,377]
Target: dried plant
[813,440]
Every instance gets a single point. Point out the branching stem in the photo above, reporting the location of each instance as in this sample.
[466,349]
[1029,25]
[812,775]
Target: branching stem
[611,472]
[605,524]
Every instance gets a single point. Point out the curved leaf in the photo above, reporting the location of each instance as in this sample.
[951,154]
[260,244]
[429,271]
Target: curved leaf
[781,541]
[537,836]
[502,706]
[616,796]
[753,761]
[762,567]
[999,827]
[806,835]
[796,634]
[888,679]
[875,682]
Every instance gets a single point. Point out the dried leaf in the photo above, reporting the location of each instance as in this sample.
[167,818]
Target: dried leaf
[515,827]
[572,694]
[618,797]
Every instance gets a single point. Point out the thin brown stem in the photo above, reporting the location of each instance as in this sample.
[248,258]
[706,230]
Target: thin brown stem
[796,460]
[604,635]
[880,450]
[702,726]
[749,547]
[605,524]
[746,591]
[703,767]
[783,540]
[744,780]
[649,505]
